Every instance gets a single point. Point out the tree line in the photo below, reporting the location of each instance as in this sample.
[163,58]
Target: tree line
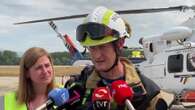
[59,58]
[12,58]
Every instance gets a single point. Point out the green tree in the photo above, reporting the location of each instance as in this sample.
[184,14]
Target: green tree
[61,58]
[9,58]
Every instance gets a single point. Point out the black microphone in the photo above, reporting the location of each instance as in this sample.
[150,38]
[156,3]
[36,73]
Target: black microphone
[76,90]
[57,96]
[101,98]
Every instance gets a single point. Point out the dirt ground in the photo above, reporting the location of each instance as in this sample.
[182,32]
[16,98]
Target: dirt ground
[11,83]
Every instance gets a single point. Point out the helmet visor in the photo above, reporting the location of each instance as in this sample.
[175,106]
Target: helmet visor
[96,31]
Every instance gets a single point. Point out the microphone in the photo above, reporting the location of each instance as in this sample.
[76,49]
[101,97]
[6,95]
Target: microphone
[122,93]
[57,96]
[76,90]
[101,98]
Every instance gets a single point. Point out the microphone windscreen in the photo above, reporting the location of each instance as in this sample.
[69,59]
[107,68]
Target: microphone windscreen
[121,91]
[59,96]
[101,98]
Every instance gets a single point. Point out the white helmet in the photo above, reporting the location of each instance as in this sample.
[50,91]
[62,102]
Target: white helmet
[111,19]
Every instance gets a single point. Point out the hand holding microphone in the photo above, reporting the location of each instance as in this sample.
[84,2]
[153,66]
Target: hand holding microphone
[101,98]
[122,93]
[57,96]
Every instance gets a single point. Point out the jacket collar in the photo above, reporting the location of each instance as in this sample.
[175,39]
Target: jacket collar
[131,76]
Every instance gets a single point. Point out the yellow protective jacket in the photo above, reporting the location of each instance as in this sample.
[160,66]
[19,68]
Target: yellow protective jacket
[9,102]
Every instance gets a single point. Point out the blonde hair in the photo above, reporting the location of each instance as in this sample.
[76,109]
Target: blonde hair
[128,27]
[25,91]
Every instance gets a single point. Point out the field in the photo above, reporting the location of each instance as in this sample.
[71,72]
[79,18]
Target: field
[59,70]
[9,76]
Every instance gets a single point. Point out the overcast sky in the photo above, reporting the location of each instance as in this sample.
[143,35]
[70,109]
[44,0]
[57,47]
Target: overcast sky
[21,37]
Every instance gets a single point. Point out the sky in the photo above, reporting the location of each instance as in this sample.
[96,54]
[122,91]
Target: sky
[21,37]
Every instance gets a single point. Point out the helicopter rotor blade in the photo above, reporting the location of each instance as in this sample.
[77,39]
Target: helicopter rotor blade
[52,19]
[135,11]
[154,10]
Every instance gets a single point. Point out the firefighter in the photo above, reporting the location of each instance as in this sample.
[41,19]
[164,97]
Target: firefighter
[103,33]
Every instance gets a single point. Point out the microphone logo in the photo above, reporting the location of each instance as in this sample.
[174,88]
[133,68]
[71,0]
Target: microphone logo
[75,98]
[122,86]
[101,92]
[101,104]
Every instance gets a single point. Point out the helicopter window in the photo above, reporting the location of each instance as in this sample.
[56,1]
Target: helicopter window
[175,63]
[151,47]
[168,42]
[191,62]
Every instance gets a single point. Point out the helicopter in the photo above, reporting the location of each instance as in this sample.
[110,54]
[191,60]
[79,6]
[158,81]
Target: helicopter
[170,56]
[170,62]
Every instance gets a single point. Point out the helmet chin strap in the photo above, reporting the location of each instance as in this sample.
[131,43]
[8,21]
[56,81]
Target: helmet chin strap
[116,58]
[114,64]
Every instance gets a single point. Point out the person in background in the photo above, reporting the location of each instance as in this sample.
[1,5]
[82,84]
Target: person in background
[36,79]
[103,33]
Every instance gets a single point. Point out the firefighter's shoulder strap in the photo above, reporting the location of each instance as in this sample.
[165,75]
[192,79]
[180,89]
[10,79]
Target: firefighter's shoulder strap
[86,72]
[81,78]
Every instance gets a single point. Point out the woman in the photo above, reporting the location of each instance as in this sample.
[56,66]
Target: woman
[36,79]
